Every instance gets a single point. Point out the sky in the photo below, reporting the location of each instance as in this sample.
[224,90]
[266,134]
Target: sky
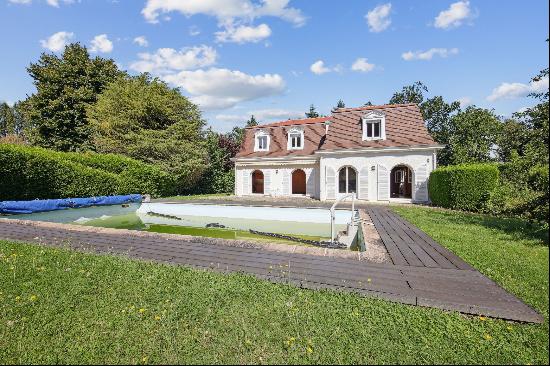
[273,58]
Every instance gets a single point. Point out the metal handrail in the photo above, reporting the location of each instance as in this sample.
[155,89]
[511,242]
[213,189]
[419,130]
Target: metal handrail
[333,216]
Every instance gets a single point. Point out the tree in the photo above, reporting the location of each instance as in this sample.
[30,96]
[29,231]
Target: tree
[340,104]
[7,120]
[369,103]
[143,118]
[437,115]
[251,122]
[410,94]
[312,112]
[473,134]
[65,86]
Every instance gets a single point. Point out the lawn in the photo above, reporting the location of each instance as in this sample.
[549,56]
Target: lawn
[59,306]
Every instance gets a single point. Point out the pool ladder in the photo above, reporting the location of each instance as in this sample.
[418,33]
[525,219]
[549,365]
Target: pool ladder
[333,215]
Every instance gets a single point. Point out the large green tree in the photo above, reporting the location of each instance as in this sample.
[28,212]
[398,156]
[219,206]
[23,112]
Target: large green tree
[410,94]
[65,86]
[473,135]
[143,118]
[312,112]
[7,119]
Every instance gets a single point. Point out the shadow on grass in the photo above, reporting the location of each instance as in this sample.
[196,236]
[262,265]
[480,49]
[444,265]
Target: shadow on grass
[518,229]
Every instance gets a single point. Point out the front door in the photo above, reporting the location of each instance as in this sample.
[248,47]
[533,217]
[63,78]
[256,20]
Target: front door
[401,182]
[298,182]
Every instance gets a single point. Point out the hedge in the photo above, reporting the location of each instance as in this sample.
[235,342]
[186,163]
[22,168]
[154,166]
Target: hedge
[463,187]
[36,173]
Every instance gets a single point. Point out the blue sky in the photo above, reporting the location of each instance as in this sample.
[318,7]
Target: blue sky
[274,58]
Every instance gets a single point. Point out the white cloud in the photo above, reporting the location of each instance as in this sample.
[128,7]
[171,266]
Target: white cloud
[378,18]
[141,41]
[55,3]
[57,41]
[243,34]
[166,60]
[464,101]
[194,30]
[319,68]
[362,65]
[226,11]
[454,16]
[516,90]
[222,88]
[101,43]
[429,54]
[262,115]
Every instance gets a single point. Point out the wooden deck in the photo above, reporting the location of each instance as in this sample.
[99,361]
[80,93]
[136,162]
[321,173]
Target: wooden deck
[423,273]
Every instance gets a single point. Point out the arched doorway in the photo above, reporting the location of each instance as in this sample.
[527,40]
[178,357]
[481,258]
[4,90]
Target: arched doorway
[347,180]
[258,182]
[298,182]
[401,182]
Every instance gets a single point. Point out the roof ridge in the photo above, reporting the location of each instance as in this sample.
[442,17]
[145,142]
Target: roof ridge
[293,120]
[367,107]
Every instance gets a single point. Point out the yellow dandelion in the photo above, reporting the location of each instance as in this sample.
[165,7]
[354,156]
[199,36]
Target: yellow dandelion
[157,317]
[482,318]
[144,359]
[141,311]
[509,328]
[309,349]
[33,297]
[487,337]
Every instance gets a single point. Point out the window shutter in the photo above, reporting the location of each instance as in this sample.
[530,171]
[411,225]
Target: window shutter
[421,184]
[383,183]
[267,181]
[310,185]
[286,182]
[330,183]
[246,182]
[364,183]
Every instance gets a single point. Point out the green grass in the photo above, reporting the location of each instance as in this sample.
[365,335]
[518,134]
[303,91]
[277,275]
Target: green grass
[225,234]
[86,309]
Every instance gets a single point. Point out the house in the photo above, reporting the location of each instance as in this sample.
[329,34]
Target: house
[376,153]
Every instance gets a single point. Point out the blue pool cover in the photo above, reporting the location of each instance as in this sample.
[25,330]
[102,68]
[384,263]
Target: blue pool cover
[28,207]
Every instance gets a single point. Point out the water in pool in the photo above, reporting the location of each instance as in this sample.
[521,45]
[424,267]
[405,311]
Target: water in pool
[220,221]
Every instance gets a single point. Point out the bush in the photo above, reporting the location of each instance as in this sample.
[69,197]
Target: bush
[464,187]
[34,173]
[137,175]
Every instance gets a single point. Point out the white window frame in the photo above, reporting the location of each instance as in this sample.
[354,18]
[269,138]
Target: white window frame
[257,135]
[295,131]
[368,121]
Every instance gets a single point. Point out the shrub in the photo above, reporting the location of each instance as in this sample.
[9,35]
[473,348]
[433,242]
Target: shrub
[31,173]
[464,187]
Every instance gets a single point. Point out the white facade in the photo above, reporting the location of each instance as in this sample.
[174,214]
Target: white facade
[372,168]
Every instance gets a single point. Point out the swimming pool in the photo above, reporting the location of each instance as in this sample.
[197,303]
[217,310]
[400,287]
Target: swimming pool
[312,222]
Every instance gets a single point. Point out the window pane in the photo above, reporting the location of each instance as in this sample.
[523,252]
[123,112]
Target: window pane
[352,181]
[262,142]
[369,129]
[299,141]
[342,181]
[376,129]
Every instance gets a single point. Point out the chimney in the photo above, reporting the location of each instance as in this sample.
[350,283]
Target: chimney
[327,124]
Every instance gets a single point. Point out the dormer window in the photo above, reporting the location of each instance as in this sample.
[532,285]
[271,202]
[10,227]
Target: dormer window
[374,126]
[295,139]
[261,141]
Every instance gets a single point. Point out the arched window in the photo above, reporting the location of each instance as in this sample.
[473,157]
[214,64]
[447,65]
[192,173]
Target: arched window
[298,182]
[257,182]
[347,180]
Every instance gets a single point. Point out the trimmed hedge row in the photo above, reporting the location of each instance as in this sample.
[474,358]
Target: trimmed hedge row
[30,173]
[463,187]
